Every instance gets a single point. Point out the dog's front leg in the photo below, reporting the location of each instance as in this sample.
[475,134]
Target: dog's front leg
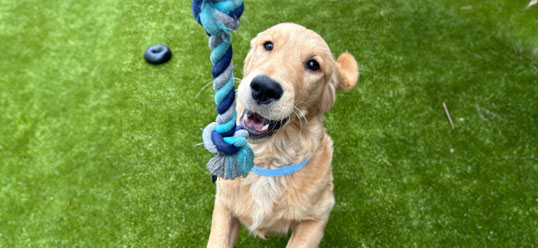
[224,227]
[307,233]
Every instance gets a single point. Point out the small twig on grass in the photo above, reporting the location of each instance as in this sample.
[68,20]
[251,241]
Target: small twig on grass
[469,7]
[386,162]
[448,115]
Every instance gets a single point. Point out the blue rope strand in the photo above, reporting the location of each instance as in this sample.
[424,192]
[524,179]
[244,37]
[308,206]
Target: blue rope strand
[221,94]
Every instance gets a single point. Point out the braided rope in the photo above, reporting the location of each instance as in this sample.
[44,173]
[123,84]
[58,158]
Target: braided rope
[233,157]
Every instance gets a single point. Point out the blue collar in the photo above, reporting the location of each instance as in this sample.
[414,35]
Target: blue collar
[280,171]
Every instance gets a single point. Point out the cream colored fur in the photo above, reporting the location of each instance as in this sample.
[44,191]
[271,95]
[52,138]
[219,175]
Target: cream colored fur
[302,201]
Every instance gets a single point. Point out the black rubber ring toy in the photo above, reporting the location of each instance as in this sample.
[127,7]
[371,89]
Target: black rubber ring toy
[157,54]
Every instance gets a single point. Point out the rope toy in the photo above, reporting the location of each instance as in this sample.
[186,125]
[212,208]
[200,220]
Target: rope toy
[233,157]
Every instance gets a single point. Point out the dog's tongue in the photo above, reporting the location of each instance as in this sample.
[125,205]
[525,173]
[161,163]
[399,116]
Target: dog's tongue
[256,122]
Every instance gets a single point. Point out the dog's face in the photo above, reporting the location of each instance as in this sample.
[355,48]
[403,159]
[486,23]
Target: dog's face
[290,73]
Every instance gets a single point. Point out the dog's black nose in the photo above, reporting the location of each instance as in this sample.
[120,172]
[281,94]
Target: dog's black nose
[264,90]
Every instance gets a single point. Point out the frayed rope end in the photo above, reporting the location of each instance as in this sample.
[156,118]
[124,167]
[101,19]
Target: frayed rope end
[231,166]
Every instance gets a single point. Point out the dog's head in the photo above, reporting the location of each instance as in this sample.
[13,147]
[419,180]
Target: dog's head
[290,73]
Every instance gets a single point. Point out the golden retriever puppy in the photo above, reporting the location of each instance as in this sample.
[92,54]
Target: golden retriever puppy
[290,78]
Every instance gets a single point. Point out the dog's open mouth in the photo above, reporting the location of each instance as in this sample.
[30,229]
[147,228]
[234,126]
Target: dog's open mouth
[259,126]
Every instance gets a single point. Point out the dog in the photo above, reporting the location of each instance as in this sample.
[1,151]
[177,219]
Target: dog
[290,79]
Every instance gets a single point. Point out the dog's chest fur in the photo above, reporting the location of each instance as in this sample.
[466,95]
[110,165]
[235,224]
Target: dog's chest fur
[269,205]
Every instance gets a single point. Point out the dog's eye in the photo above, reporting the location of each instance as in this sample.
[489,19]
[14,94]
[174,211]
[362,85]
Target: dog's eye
[312,65]
[268,45]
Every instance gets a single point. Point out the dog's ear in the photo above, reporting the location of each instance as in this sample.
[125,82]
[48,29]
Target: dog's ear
[344,78]
[348,72]
[328,97]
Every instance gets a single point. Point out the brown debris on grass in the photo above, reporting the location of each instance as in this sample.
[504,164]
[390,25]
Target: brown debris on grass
[468,7]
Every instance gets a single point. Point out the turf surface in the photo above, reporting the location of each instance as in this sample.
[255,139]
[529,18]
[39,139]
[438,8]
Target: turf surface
[98,148]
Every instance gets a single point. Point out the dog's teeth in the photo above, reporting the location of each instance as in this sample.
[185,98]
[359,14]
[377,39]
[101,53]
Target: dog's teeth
[265,127]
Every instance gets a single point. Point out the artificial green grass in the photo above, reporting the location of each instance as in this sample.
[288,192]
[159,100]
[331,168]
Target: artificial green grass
[98,148]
